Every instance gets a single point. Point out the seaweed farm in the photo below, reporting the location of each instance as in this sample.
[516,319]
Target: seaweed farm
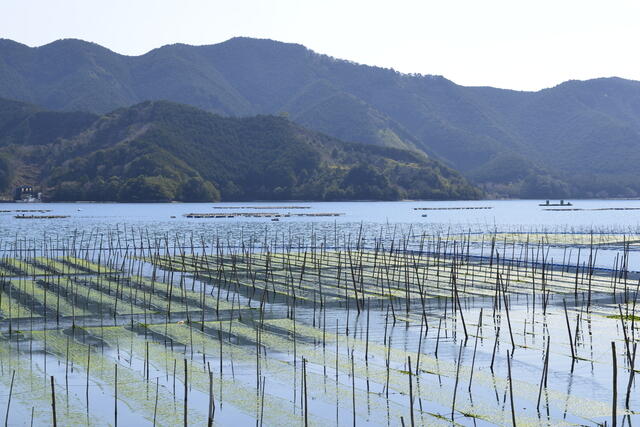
[359,326]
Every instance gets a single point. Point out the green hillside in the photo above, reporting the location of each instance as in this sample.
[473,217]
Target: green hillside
[162,151]
[580,138]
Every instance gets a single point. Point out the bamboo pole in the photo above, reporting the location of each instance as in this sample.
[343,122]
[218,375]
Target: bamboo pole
[614,403]
[6,417]
[53,403]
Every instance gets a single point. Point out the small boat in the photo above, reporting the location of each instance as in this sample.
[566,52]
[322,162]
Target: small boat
[275,219]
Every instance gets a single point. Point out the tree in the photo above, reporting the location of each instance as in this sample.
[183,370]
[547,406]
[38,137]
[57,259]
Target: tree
[196,189]
[544,186]
[7,172]
[147,189]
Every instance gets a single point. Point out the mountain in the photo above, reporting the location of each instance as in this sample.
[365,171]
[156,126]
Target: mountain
[27,124]
[162,151]
[580,138]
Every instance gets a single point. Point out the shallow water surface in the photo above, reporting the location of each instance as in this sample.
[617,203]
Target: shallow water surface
[379,316]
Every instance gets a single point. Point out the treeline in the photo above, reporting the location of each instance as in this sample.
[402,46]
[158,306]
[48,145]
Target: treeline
[162,151]
[138,189]
[580,138]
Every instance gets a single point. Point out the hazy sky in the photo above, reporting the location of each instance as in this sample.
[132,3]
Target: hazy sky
[513,44]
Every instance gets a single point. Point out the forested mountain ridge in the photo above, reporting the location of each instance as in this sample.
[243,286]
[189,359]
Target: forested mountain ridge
[580,138]
[163,151]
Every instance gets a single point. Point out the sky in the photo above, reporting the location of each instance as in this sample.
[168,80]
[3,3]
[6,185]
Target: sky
[513,44]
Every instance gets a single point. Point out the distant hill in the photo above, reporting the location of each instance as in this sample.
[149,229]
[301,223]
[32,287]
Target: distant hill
[580,138]
[162,151]
[26,124]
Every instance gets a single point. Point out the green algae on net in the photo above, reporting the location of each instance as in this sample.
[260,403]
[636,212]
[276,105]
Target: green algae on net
[245,319]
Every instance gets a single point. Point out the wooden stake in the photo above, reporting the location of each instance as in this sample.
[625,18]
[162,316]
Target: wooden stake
[115,400]
[411,393]
[366,348]
[212,406]
[353,387]
[264,383]
[513,409]
[495,346]
[545,373]
[53,403]
[475,347]
[6,417]
[155,407]
[615,386]
[306,407]
[438,337]
[455,387]
[566,315]
[186,389]
[631,374]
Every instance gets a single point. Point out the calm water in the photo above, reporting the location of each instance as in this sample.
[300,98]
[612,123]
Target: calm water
[373,219]
[577,394]
[503,216]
